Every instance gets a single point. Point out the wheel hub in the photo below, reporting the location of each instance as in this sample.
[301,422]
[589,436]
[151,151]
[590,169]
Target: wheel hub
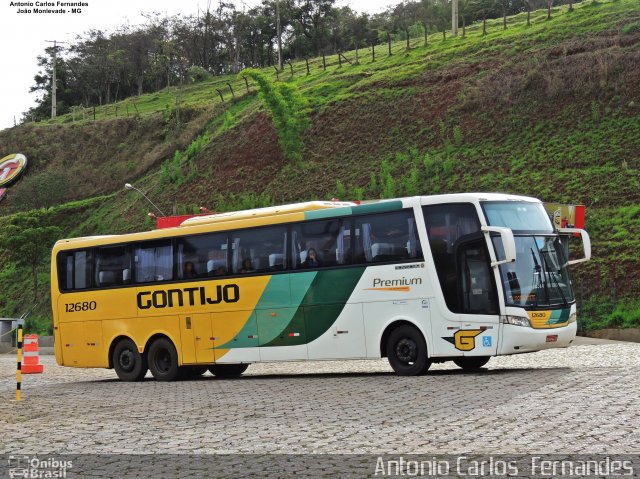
[127,360]
[406,350]
[163,361]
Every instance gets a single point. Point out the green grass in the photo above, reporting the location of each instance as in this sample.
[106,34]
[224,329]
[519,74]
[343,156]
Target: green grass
[322,87]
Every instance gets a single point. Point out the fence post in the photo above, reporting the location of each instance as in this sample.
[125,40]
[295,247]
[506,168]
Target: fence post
[19,364]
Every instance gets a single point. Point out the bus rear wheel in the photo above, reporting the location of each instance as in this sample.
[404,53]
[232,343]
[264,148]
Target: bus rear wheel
[471,363]
[228,370]
[163,360]
[129,364]
[407,351]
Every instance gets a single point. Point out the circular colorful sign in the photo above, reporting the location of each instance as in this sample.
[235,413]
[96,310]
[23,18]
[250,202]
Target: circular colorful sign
[11,167]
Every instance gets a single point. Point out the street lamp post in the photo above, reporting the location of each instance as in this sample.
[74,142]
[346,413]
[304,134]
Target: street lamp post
[129,186]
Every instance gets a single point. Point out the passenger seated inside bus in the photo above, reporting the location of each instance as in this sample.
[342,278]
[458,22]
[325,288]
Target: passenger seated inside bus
[216,267]
[247,266]
[311,259]
[190,270]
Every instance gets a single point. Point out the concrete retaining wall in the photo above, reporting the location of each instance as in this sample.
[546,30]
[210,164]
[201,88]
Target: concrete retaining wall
[631,334]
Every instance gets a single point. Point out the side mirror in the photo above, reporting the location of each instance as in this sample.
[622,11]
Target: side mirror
[586,243]
[508,243]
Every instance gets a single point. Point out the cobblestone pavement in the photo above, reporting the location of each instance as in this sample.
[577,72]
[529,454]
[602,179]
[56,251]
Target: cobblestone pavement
[584,399]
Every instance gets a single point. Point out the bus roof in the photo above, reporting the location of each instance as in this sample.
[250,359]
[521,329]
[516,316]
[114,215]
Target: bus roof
[284,213]
[268,211]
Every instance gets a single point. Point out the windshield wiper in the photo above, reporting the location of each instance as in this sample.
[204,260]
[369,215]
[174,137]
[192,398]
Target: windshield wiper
[537,270]
[553,278]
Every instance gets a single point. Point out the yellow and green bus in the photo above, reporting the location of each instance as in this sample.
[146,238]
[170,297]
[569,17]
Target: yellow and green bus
[460,277]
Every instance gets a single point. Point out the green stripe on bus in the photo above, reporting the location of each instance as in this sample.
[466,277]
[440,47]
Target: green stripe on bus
[559,316]
[377,207]
[282,295]
[327,213]
[320,307]
[270,327]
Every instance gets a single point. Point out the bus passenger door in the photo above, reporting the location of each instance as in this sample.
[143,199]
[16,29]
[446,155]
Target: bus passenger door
[477,299]
[196,338]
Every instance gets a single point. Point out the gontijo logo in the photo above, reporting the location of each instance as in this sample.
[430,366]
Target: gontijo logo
[11,167]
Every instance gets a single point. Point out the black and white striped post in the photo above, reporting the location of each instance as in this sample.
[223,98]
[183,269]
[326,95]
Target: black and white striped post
[19,365]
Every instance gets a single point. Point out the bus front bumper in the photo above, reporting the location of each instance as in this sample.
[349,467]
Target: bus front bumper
[519,339]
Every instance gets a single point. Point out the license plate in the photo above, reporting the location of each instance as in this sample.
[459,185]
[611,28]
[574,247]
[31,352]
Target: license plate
[552,338]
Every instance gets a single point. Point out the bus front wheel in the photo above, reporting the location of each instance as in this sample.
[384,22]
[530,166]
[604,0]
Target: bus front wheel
[163,360]
[471,363]
[228,370]
[407,351]
[129,364]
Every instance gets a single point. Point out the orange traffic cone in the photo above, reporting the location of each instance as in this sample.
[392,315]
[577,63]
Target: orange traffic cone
[31,360]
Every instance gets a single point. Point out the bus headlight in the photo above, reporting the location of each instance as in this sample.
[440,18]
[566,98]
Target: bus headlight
[573,317]
[516,321]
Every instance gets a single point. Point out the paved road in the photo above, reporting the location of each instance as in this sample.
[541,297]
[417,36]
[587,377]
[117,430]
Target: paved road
[580,400]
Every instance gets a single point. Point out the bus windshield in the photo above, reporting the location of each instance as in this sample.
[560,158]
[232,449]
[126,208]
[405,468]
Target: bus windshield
[539,277]
[520,216]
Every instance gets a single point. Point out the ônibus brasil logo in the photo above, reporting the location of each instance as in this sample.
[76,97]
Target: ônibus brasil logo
[11,167]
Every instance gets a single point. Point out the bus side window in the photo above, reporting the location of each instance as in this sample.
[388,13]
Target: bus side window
[326,238]
[153,262]
[111,262]
[74,270]
[387,237]
[258,250]
[207,253]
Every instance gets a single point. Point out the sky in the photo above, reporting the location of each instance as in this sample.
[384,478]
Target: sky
[24,36]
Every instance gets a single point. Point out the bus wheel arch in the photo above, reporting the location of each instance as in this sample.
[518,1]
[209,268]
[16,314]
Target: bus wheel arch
[162,357]
[126,359]
[405,346]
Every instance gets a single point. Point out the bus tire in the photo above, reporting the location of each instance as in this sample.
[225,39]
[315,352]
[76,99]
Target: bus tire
[407,351]
[163,360]
[129,364]
[228,370]
[191,372]
[471,363]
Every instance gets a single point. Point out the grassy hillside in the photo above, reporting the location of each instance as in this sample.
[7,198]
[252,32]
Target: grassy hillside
[551,110]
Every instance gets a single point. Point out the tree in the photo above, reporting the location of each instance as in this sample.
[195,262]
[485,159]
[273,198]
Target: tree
[309,17]
[425,11]
[404,15]
[42,190]
[358,30]
[505,6]
[483,9]
[464,11]
[442,15]
[28,243]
